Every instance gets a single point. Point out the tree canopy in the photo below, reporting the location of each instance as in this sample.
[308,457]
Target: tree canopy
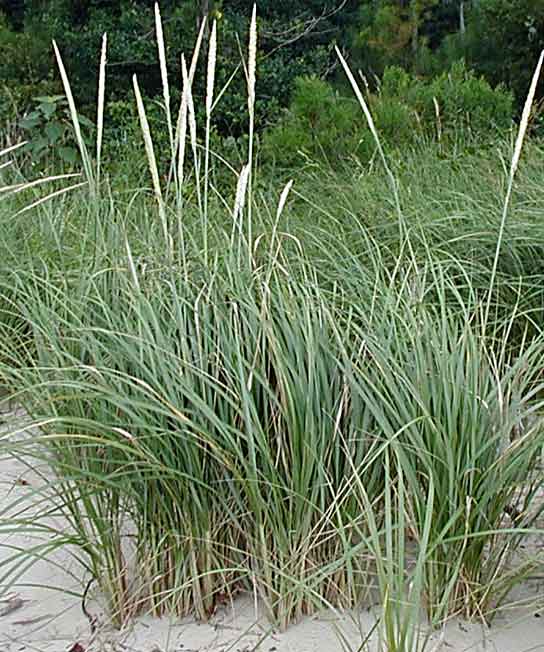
[500,39]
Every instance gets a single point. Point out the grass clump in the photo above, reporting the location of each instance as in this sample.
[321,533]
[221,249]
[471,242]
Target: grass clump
[325,409]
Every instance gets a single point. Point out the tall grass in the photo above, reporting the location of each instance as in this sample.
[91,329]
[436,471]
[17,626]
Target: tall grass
[326,417]
[450,399]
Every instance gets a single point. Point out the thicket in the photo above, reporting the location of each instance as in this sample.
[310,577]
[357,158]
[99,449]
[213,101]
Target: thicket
[454,108]
[501,37]
[295,38]
[297,70]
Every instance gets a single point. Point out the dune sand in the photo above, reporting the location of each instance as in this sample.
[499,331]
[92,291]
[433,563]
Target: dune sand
[42,611]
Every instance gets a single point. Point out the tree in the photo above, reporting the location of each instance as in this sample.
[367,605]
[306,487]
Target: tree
[503,40]
[296,38]
[396,32]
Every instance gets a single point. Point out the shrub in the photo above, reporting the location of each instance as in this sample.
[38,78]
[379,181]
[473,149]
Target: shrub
[470,102]
[49,131]
[467,104]
[319,124]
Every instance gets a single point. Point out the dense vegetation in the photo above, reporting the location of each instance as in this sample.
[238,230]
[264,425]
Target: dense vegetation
[287,339]
[298,68]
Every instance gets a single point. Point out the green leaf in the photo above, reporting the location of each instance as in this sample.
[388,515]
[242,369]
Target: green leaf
[39,148]
[49,99]
[85,121]
[54,131]
[68,154]
[40,143]
[48,109]
[31,121]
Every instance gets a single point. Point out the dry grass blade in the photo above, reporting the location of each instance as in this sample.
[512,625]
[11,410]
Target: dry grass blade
[198,45]
[75,121]
[513,167]
[3,152]
[164,77]
[131,265]
[192,126]
[251,76]
[13,189]
[212,58]
[283,198]
[181,128]
[363,104]
[276,248]
[100,111]
[252,63]
[241,188]
[239,203]
[371,125]
[187,81]
[19,187]
[42,200]
[152,161]
[438,121]
[525,115]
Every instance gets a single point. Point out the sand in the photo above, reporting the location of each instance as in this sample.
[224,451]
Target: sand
[42,612]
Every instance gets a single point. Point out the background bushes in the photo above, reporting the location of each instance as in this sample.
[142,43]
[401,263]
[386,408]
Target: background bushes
[297,68]
[455,106]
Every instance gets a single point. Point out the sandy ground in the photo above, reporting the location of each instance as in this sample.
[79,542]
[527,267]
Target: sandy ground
[42,611]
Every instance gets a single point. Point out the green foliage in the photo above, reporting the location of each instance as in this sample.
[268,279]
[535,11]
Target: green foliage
[26,56]
[288,48]
[393,33]
[502,38]
[296,40]
[384,35]
[503,41]
[26,70]
[49,131]
[322,125]
[319,124]
[441,19]
[470,101]
[457,102]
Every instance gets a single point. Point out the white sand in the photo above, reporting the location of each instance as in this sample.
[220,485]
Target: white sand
[37,619]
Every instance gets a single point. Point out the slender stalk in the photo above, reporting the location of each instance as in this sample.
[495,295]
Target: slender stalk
[165,89]
[513,169]
[87,165]
[212,58]
[251,75]
[152,163]
[100,108]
